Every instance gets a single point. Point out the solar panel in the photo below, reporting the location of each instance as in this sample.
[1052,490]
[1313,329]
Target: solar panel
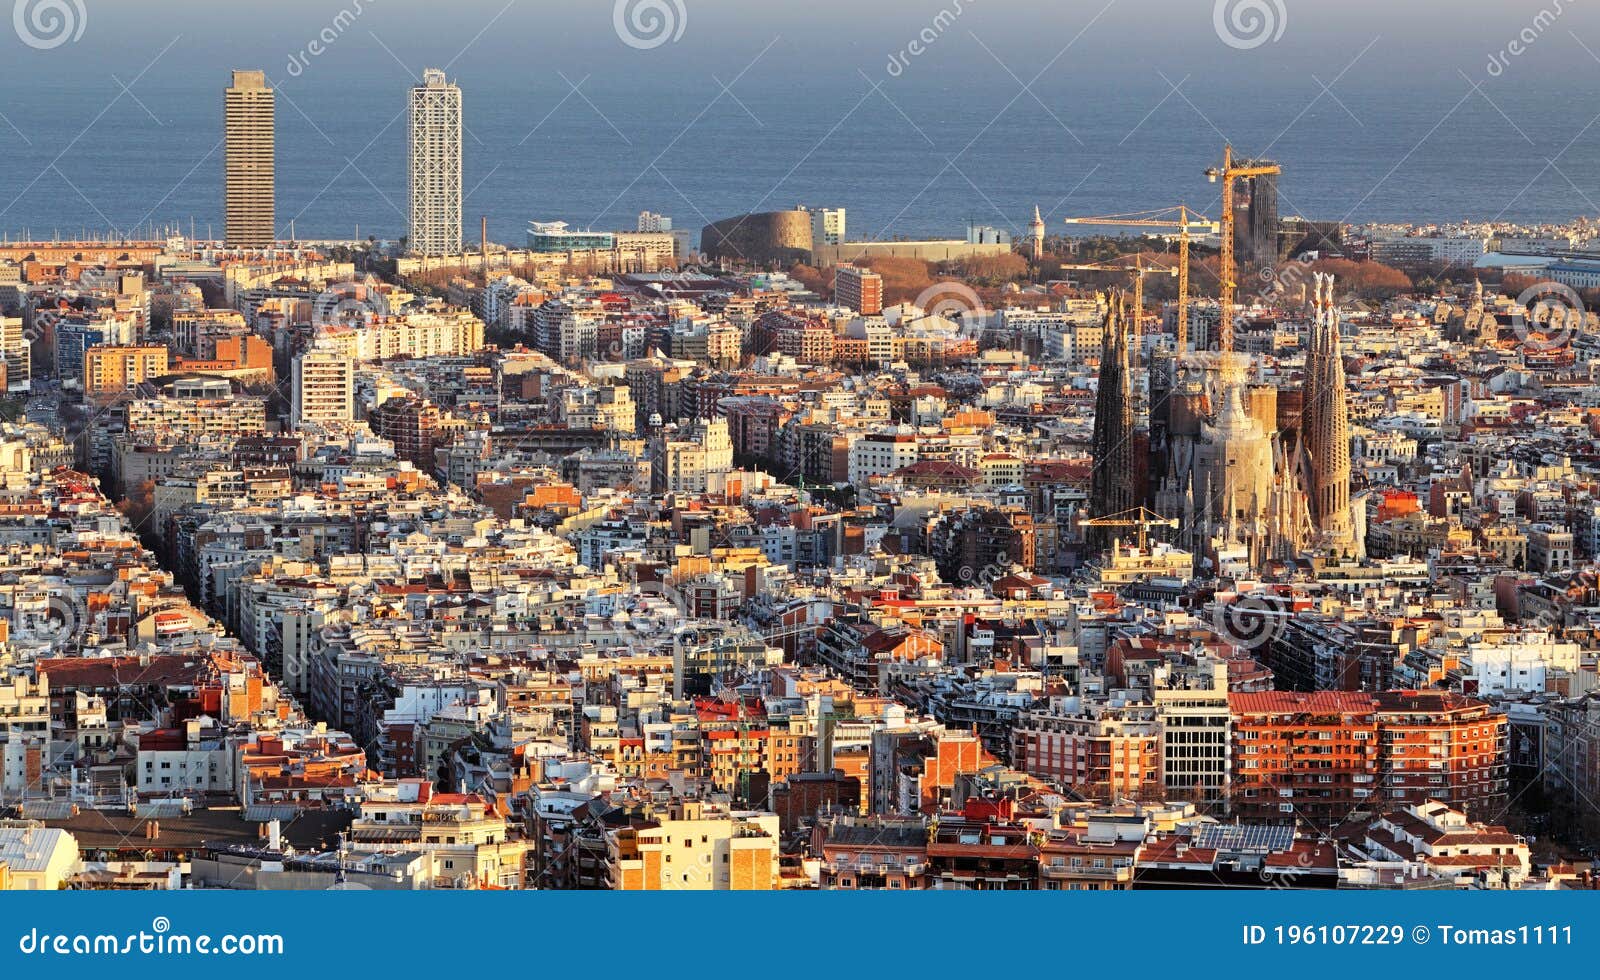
[1262,838]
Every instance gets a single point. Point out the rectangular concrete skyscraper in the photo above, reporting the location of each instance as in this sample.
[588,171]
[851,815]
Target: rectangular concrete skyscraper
[435,166]
[248,115]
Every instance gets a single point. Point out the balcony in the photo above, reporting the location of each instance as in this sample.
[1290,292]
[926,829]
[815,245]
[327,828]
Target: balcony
[1052,872]
[995,852]
[985,880]
[910,866]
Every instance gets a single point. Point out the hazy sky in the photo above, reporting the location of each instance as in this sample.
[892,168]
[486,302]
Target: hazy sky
[1422,37]
[1151,82]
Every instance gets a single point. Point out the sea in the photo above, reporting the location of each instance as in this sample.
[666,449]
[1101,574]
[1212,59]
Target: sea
[918,126]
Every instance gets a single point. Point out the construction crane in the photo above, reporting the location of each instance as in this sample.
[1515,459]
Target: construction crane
[1187,221]
[1227,174]
[1142,518]
[1136,272]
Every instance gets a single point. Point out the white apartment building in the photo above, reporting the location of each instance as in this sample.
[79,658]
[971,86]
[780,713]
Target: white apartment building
[686,461]
[435,166]
[881,453]
[324,388]
[827,226]
[1510,663]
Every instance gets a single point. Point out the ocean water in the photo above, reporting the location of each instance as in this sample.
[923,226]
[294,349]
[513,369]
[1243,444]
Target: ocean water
[1124,107]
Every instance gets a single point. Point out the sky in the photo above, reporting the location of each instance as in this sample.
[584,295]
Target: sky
[1427,37]
[753,103]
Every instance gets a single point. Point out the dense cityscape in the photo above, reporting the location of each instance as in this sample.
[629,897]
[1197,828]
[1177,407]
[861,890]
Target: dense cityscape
[1152,550]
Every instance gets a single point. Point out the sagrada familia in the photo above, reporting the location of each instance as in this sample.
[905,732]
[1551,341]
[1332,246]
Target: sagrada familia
[1250,472]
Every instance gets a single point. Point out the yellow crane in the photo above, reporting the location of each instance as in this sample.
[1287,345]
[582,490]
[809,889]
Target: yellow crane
[1186,221]
[1142,518]
[1136,272]
[1227,271]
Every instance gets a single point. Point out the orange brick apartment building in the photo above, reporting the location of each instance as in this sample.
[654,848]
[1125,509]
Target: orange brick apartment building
[1320,757]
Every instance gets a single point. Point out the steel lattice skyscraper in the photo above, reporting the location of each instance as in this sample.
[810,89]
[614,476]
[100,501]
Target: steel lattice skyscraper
[435,166]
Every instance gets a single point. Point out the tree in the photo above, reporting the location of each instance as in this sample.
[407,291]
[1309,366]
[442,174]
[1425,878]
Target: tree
[903,279]
[813,279]
[1516,283]
[1367,280]
[138,506]
[989,270]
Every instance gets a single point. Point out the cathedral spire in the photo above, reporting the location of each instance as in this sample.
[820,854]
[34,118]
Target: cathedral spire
[1327,426]
[1114,478]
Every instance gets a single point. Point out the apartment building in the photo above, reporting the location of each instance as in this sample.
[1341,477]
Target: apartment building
[324,388]
[111,370]
[248,118]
